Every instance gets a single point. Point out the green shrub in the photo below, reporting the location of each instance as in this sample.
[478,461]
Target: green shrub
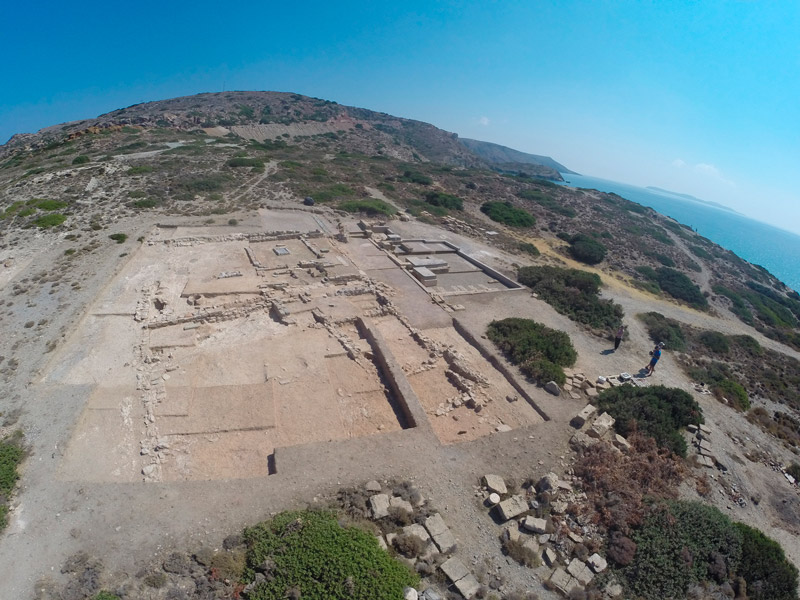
[186,189]
[768,574]
[547,202]
[748,343]
[507,213]
[415,177]
[679,286]
[146,203]
[715,341]
[648,272]
[119,237]
[310,553]
[678,544]
[529,248]
[664,329]
[243,161]
[336,191]
[50,220]
[104,595]
[700,252]
[794,471]
[372,207]
[540,351]
[573,293]
[657,411]
[733,391]
[44,204]
[81,159]
[444,200]
[586,249]
[139,170]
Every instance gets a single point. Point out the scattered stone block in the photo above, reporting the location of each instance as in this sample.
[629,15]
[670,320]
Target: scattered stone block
[597,563]
[379,503]
[578,376]
[410,593]
[373,486]
[705,429]
[548,483]
[559,507]
[550,557]
[591,393]
[495,483]
[435,524]
[502,428]
[705,461]
[581,441]
[417,530]
[445,541]
[532,545]
[705,445]
[613,590]
[621,443]
[467,586]
[578,569]
[562,581]
[431,594]
[535,524]
[575,395]
[575,537]
[586,413]
[544,538]
[398,502]
[691,428]
[601,425]
[552,387]
[512,507]
[454,569]
[564,486]
[511,534]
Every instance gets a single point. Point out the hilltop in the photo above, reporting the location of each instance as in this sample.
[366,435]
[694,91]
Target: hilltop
[225,306]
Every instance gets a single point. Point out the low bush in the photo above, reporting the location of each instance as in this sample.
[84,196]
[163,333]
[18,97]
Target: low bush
[50,220]
[547,202]
[656,411]
[311,553]
[586,249]
[45,204]
[529,248]
[371,207]
[146,203]
[574,293]
[508,214]
[11,455]
[540,351]
[81,159]
[119,237]
[415,177]
[720,380]
[715,341]
[243,161]
[769,575]
[679,286]
[139,170]
[337,191]
[444,200]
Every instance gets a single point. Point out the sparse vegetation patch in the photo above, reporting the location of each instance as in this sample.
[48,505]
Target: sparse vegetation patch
[507,213]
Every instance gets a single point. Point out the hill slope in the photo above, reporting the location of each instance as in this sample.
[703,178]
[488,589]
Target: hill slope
[496,154]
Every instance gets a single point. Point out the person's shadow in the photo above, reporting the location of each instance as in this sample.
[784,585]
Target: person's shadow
[642,373]
[607,352]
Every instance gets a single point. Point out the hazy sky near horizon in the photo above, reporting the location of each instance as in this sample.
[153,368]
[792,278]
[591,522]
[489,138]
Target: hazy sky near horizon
[696,97]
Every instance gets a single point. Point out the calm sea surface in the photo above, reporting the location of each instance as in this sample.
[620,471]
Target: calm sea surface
[775,249]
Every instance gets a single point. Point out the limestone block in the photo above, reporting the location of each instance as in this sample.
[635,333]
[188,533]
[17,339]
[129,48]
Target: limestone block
[621,443]
[373,486]
[417,530]
[379,503]
[398,502]
[591,393]
[601,425]
[512,507]
[550,557]
[435,524]
[535,524]
[548,483]
[597,563]
[581,441]
[454,569]
[578,569]
[586,413]
[495,483]
[468,586]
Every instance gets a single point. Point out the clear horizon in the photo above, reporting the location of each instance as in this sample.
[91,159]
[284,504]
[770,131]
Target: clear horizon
[698,99]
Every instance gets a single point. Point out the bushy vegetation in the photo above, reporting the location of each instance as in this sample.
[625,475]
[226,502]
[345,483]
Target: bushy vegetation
[720,380]
[119,237]
[664,329]
[146,203]
[681,543]
[586,249]
[679,286]
[186,189]
[715,341]
[529,248]
[507,213]
[371,207]
[656,411]
[11,454]
[81,159]
[540,351]
[309,554]
[573,293]
[337,191]
[415,177]
[139,170]
[700,252]
[45,204]
[548,202]
[244,161]
[444,200]
[50,220]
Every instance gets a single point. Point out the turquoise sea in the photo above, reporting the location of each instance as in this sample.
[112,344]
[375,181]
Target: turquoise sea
[775,249]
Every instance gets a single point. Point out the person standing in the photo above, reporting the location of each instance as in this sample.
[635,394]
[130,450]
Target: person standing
[618,336]
[655,353]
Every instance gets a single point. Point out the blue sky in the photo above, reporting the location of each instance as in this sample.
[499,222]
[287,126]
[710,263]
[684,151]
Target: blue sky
[695,97]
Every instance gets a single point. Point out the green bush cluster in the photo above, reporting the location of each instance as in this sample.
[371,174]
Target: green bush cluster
[720,380]
[50,220]
[573,293]
[416,177]
[372,207]
[337,191]
[244,161]
[119,237]
[664,329]
[715,341]
[700,252]
[657,411]
[682,543]
[11,454]
[507,213]
[448,201]
[586,249]
[139,170]
[310,554]
[81,159]
[540,351]
[529,248]
[679,286]
[547,202]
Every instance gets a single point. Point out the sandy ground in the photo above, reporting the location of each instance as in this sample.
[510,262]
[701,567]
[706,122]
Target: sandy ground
[87,387]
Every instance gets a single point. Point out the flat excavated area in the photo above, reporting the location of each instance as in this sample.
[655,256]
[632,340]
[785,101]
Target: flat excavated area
[210,351]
